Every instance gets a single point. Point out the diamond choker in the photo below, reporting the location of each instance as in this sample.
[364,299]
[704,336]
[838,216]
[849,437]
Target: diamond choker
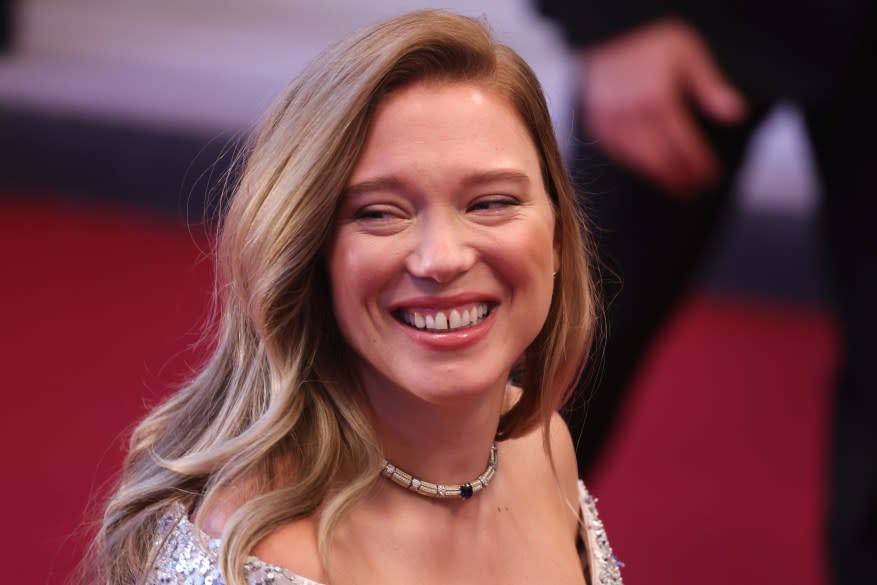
[437,490]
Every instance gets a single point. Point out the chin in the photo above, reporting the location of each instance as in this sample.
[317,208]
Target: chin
[439,386]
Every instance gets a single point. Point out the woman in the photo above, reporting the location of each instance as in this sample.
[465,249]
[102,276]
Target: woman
[403,241]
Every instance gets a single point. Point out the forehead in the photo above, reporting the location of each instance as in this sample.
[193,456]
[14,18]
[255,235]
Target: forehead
[447,124]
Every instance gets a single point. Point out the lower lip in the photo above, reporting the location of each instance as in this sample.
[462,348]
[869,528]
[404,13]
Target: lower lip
[451,340]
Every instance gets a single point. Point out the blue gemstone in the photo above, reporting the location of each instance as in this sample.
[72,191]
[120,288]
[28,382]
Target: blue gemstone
[466,491]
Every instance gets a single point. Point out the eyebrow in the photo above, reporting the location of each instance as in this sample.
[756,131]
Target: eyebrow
[496,176]
[388,183]
[394,183]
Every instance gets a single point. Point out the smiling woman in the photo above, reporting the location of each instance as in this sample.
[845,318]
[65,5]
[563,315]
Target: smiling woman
[447,216]
[403,240]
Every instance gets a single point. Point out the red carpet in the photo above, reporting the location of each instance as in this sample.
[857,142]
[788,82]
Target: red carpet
[99,310]
[715,477]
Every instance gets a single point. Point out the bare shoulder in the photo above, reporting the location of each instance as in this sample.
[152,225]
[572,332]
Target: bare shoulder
[559,439]
[531,457]
[215,511]
[292,545]
[212,519]
[563,451]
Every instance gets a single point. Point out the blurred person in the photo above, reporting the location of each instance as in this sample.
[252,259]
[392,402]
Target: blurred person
[669,94]
[6,24]
[403,237]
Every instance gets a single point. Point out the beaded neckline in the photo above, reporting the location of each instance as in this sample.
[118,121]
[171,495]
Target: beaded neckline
[439,490]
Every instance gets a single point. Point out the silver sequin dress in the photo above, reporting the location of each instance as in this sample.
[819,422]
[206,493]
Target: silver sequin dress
[189,557]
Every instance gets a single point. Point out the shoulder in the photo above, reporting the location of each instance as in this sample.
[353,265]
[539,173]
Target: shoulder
[291,546]
[564,454]
[531,458]
[212,518]
[182,549]
[558,439]
[188,556]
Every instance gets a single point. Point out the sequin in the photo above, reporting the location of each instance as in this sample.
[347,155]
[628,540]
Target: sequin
[605,567]
[187,556]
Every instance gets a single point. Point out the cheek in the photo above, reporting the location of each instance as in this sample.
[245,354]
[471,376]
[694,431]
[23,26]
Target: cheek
[343,277]
[543,261]
[530,256]
[358,272]
[524,262]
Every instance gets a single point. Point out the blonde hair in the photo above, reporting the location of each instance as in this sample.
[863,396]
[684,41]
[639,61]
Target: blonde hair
[276,408]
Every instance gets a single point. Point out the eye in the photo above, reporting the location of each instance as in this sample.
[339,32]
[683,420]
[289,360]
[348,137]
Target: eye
[494,203]
[377,213]
[380,219]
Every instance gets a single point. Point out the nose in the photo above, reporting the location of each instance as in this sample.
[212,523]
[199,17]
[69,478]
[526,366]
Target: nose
[442,251]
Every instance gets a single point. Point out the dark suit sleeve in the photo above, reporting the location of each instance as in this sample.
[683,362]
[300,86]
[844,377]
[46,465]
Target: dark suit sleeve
[5,24]
[586,23]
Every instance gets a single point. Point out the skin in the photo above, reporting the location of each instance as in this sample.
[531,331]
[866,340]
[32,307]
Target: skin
[445,208]
[639,93]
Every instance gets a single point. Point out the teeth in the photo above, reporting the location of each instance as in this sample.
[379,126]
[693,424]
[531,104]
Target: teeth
[442,321]
[454,321]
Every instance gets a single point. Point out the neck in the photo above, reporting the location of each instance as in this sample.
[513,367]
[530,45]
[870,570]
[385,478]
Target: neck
[444,443]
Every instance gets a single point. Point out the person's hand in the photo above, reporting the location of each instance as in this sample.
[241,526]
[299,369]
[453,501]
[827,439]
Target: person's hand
[638,91]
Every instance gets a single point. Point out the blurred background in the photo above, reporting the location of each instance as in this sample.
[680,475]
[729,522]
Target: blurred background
[118,120]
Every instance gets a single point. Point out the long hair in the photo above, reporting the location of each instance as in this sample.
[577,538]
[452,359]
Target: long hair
[275,415]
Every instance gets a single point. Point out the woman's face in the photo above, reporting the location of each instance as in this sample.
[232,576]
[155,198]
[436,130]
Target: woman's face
[441,264]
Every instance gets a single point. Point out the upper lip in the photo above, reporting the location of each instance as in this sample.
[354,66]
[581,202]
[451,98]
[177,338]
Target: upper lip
[442,302]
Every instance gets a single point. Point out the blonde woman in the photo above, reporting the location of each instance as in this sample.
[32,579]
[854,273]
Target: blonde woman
[403,242]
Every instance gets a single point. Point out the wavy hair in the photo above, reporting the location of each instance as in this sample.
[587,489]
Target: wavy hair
[275,414]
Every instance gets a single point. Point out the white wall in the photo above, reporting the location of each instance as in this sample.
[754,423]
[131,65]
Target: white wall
[217,64]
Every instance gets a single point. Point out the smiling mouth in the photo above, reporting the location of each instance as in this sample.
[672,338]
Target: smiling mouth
[444,321]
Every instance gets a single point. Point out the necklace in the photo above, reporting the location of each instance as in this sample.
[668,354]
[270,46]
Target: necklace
[438,490]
